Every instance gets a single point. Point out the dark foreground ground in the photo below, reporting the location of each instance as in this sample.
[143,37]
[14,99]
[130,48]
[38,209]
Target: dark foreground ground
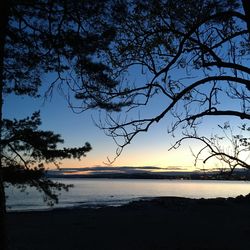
[164,223]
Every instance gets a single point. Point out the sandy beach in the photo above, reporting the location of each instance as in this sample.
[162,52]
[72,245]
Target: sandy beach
[162,223]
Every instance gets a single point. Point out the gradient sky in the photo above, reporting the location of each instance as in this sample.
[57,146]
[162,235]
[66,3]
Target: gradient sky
[147,149]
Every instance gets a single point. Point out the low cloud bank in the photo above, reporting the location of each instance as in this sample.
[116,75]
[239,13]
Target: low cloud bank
[129,170]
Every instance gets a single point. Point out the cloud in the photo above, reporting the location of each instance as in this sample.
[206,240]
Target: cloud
[113,169]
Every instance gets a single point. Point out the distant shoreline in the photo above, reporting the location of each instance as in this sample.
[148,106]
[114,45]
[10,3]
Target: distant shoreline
[213,177]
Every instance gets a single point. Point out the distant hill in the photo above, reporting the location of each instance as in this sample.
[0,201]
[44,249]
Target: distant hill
[146,173]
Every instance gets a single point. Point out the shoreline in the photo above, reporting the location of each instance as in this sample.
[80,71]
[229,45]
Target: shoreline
[134,202]
[118,203]
[160,223]
[98,193]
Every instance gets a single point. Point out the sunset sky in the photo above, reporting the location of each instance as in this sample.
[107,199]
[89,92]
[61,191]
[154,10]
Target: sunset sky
[147,149]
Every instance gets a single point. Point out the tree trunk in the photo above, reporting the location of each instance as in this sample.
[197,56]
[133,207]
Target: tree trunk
[4,10]
[246,7]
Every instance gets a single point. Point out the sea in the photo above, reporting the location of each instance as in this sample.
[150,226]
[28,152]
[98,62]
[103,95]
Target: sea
[96,193]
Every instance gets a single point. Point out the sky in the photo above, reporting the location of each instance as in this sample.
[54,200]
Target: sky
[147,149]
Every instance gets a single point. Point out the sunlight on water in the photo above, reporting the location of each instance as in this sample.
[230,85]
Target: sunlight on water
[97,192]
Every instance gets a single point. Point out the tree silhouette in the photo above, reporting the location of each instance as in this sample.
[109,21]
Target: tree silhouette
[25,150]
[62,39]
[230,149]
[193,56]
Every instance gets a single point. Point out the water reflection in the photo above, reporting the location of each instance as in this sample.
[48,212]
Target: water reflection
[92,192]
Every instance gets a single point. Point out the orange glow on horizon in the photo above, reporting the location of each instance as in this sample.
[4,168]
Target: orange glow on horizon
[149,156]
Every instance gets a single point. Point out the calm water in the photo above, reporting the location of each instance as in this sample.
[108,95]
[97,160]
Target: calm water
[97,192]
